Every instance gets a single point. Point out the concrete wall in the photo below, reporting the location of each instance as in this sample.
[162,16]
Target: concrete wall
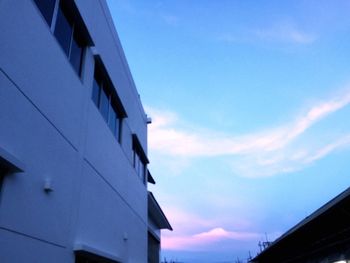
[49,122]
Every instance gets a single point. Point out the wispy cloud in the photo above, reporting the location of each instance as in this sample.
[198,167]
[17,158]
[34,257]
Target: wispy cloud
[169,19]
[272,149]
[125,5]
[184,221]
[285,32]
[220,233]
[323,151]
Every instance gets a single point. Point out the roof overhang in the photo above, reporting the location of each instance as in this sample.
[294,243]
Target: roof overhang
[150,178]
[138,147]
[156,213]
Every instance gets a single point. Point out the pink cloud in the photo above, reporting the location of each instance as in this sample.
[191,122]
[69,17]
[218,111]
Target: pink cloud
[220,233]
[184,221]
[204,239]
[193,232]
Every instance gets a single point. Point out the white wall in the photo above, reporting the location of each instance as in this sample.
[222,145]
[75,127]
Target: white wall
[48,121]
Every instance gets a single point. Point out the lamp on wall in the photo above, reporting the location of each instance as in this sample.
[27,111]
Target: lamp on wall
[48,185]
[125,236]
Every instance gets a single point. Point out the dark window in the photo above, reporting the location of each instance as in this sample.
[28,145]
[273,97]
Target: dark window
[68,28]
[136,161]
[69,33]
[107,101]
[63,31]
[76,52]
[96,91]
[112,121]
[153,249]
[91,258]
[46,8]
[142,172]
[81,259]
[3,172]
[140,159]
[139,166]
[104,104]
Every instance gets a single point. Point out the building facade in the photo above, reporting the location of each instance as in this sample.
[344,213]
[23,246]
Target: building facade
[73,139]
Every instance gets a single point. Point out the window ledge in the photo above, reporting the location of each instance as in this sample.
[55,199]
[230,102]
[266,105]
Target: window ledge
[86,249]
[10,161]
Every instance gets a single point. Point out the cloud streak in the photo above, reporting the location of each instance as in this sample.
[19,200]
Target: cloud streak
[282,32]
[202,240]
[169,19]
[285,32]
[195,233]
[273,149]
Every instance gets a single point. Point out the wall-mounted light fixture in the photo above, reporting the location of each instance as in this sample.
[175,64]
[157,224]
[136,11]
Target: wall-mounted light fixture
[48,185]
[125,236]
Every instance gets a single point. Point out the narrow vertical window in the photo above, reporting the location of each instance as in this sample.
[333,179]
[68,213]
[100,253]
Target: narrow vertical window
[3,172]
[104,104]
[67,26]
[107,101]
[76,52]
[142,171]
[140,159]
[112,122]
[136,161]
[120,129]
[140,166]
[96,91]
[46,8]
[63,31]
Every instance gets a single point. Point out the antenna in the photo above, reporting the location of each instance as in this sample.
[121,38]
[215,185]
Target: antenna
[260,246]
[249,256]
[266,243]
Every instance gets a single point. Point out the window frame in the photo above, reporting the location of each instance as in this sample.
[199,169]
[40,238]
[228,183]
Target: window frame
[90,258]
[40,6]
[140,160]
[153,248]
[79,35]
[88,254]
[9,165]
[102,84]
[3,172]
[61,21]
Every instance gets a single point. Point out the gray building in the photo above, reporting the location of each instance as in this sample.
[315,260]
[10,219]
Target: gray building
[73,139]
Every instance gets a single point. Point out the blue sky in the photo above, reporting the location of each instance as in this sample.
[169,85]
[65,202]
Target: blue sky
[250,105]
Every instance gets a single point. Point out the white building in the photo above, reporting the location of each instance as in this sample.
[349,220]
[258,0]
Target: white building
[73,139]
